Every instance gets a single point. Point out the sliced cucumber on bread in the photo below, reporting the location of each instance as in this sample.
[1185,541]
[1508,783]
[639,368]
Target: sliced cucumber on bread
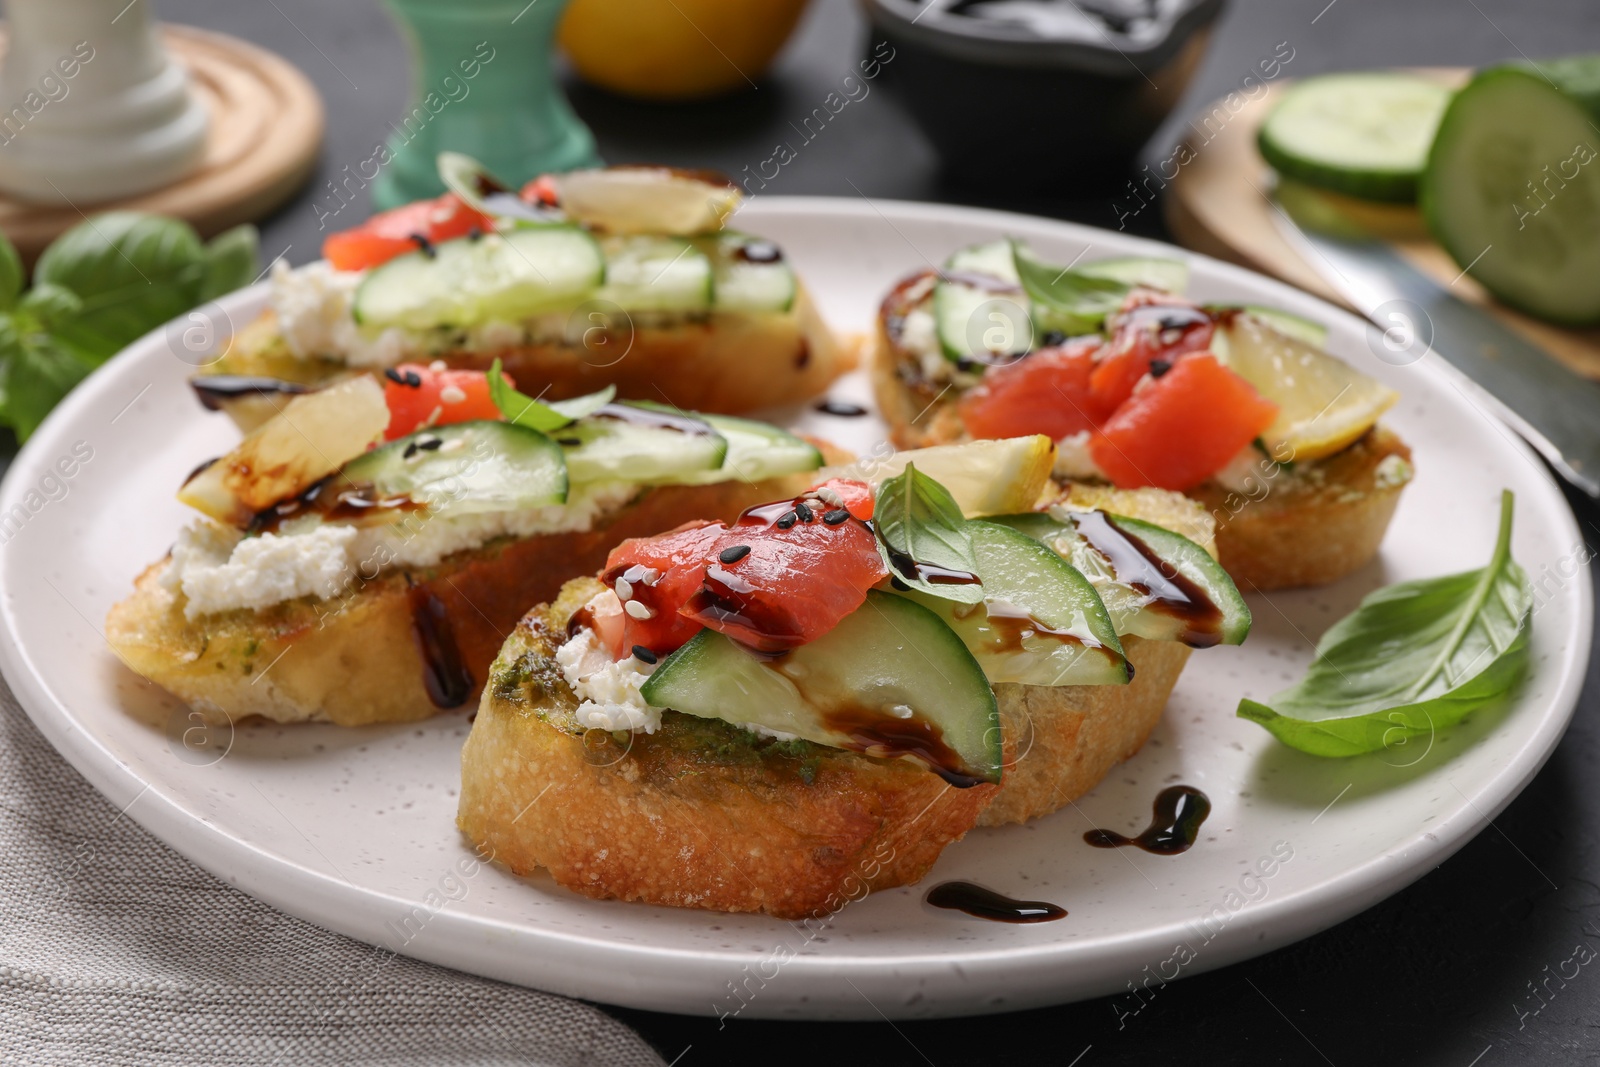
[466,468]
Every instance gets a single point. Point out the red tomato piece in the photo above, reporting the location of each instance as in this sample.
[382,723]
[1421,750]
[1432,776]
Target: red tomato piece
[857,496]
[795,581]
[1181,428]
[1047,391]
[414,393]
[541,190]
[1150,327]
[395,232]
[661,573]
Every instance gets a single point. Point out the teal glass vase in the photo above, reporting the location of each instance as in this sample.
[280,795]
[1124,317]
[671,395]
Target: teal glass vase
[483,84]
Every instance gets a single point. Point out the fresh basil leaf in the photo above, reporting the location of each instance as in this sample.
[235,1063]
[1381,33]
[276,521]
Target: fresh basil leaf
[522,409]
[47,306]
[12,276]
[230,262]
[921,527]
[133,272]
[36,371]
[1413,658]
[1073,302]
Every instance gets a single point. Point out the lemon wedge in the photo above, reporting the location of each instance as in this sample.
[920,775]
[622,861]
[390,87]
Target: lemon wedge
[655,200]
[985,477]
[1324,404]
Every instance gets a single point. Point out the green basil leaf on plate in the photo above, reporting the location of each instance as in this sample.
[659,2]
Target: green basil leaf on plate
[36,371]
[12,276]
[927,545]
[1412,659]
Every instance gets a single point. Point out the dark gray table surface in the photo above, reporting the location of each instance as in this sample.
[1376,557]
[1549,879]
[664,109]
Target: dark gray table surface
[1440,973]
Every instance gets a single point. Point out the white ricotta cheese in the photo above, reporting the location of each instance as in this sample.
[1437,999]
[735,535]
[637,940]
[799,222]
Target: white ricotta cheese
[219,569]
[313,305]
[608,688]
[1073,461]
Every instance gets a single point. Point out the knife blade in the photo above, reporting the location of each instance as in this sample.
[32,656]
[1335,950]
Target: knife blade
[1555,409]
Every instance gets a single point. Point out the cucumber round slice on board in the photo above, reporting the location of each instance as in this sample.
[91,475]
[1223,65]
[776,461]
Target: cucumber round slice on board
[1363,134]
[466,468]
[1512,188]
[866,685]
[646,273]
[471,280]
[631,443]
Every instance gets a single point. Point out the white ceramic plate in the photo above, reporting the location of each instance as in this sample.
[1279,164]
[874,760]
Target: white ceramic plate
[353,829]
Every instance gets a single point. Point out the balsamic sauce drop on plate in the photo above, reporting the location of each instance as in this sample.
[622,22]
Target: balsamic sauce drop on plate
[983,903]
[1175,823]
[842,408]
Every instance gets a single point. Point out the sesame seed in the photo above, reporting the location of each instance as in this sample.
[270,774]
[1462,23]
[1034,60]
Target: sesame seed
[638,610]
[787,521]
[433,416]
[836,516]
[830,496]
[1158,367]
[804,512]
[429,443]
[438,366]
[643,654]
[413,379]
[453,394]
[393,375]
[410,451]
[570,442]
[734,554]
[455,444]
[624,589]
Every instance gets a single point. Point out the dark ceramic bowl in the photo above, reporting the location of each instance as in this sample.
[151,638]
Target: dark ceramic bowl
[1040,94]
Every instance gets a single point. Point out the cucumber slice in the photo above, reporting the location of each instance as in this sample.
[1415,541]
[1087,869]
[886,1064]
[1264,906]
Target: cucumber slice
[756,450]
[471,280]
[646,273]
[475,467]
[890,680]
[749,274]
[1041,621]
[632,443]
[1168,275]
[1512,188]
[1154,583]
[993,259]
[1366,135]
[983,322]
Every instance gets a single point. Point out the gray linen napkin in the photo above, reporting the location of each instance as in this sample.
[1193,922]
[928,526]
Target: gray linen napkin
[115,950]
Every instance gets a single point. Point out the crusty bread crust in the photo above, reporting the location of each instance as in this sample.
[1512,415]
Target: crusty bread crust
[1069,737]
[1313,526]
[724,362]
[699,814]
[360,659]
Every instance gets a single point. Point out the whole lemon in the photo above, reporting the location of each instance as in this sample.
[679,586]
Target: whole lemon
[676,49]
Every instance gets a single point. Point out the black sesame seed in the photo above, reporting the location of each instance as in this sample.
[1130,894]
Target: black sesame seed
[835,516]
[1053,338]
[805,513]
[430,443]
[413,379]
[644,655]
[570,442]
[787,521]
[424,245]
[475,234]
[734,554]
[393,375]
[410,451]
[1158,367]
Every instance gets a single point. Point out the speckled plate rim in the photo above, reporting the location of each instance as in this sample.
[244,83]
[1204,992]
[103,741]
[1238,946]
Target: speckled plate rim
[955,982]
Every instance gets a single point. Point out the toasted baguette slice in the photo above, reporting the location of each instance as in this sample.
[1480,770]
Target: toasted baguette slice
[401,647]
[720,362]
[700,813]
[1309,524]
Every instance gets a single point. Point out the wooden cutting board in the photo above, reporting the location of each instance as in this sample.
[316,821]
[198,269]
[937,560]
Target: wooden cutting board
[266,128]
[1218,204]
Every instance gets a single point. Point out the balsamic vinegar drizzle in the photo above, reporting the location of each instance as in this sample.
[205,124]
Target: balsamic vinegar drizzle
[445,674]
[842,408]
[1175,823]
[216,389]
[983,903]
[1137,564]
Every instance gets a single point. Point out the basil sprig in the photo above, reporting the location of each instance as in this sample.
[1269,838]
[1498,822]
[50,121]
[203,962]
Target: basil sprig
[919,522]
[524,410]
[1413,658]
[97,288]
